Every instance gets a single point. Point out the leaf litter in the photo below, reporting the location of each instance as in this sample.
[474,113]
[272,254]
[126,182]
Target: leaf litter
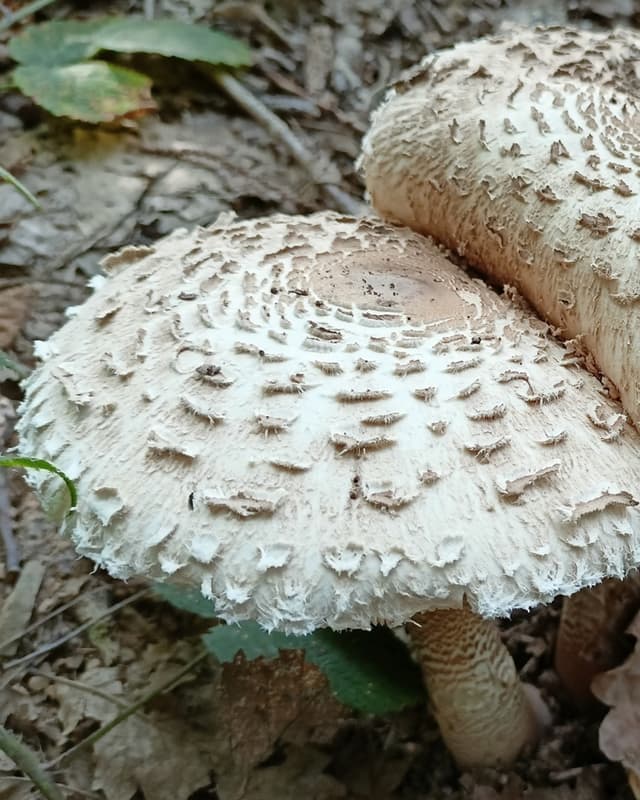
[259,730]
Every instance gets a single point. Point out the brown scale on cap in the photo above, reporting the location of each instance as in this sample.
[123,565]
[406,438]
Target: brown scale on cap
[212,465]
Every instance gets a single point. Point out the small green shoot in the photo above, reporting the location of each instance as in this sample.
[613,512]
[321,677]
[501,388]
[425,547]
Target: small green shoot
[18,369]
[5,175]
[27,462]
[12,17]
[26,760]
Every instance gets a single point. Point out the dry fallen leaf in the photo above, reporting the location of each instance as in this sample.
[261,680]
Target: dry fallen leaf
[164,757]
[264,702]
[16,610]
[89,697]
[620,689]
[301,774]
[16,789]
[15,307]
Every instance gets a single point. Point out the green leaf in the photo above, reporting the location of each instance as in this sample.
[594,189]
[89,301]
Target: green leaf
[367,670]
[56,43]
[225,641]
[167,37]
[5,175]
[60,43]
[93,92]
[40,463]
[6,362]
[186,599]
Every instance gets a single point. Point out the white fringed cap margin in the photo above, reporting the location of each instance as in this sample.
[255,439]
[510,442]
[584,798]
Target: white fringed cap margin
[321,421]
[521,152]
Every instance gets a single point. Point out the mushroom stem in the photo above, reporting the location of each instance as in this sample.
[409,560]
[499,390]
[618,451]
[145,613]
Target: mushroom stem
[483,711]
[591,633]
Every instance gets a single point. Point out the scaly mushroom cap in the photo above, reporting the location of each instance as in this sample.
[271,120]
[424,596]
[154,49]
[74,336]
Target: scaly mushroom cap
[323,421]
[521,152]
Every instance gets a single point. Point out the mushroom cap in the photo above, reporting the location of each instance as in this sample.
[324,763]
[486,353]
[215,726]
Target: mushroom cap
[323,421]
[521,151]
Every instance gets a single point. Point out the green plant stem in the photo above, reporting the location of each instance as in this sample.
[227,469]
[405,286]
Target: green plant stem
[105,729]
[23,13]
[6,362]
[5,175]
[28,462]
[25,759]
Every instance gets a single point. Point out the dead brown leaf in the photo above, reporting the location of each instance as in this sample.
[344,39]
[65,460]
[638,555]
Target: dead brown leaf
[89,697]
[620,689]
[300,775]
[16,789]
[265,702]
[166,758]
[16,610]
[15,308]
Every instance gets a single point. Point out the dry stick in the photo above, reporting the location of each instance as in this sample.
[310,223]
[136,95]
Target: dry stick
[72,790]
[83,687]
[51,615]
[105,729]
[11,551]
[277,128]
[47,648]
[26,761]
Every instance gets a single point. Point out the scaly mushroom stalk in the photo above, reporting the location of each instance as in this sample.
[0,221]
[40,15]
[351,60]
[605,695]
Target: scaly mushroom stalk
[484,714]
[325,422]
[590,636]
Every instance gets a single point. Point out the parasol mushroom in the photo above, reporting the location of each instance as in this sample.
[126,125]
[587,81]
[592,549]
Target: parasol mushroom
[520,152]
[322,421]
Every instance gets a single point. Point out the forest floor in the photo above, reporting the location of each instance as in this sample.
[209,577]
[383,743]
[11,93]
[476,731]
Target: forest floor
[255,730]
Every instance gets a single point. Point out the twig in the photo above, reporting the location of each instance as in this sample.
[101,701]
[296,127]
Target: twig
[25,759]
[72,790]
[22,13]
[5,175]
[51,615]
[105,729]
[276,127]
[47,648]
[11,550]
[84,687]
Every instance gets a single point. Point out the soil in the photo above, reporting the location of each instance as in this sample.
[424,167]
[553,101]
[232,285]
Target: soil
[255,730]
